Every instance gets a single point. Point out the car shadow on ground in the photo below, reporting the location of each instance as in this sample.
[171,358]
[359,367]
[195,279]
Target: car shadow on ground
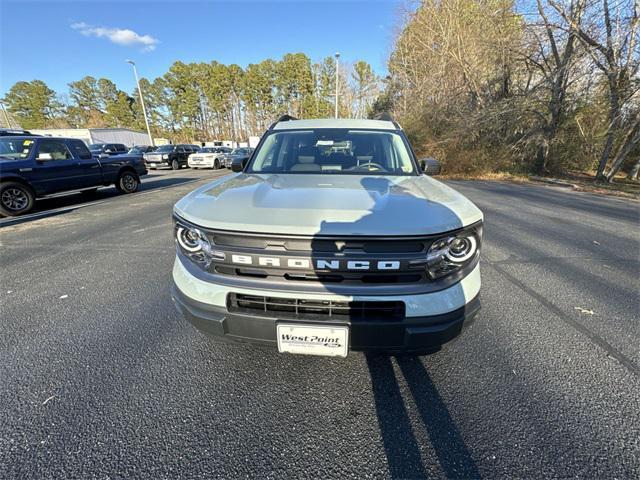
[401,446]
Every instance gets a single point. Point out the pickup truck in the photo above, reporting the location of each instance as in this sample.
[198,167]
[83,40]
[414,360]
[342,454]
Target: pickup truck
[33,167]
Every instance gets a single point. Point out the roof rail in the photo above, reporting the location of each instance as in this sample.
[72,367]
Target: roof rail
[386,116]
[283,118]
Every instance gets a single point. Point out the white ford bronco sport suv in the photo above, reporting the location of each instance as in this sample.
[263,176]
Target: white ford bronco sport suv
[332,237]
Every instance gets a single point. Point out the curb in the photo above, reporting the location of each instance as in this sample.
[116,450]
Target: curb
[553,181]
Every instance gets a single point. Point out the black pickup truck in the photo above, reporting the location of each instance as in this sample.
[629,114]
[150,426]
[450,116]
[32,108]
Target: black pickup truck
[32,167]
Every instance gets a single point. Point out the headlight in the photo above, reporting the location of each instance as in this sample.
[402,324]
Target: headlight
[191,239]
[196,245]
[165,157]
[449,254]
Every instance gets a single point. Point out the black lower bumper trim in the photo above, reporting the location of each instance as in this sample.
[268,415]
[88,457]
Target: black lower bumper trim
[411,335]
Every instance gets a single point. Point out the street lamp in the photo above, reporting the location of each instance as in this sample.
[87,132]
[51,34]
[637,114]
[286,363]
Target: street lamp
[6,117]
[144,111]
[337,79]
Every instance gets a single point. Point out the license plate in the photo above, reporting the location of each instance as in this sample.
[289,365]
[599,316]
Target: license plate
[330,341]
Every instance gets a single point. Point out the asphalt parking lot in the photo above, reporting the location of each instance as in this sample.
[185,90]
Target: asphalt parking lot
[101,378]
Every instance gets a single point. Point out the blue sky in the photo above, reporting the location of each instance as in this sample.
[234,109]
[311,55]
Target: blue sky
[59,42]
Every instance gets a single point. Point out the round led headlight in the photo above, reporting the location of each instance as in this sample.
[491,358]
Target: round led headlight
[448,255]
[461,249]
[191,239]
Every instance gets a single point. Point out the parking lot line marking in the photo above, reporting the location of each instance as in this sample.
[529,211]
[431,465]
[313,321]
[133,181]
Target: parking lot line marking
[625,361]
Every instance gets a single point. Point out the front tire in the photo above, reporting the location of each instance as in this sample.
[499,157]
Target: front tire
[15,199]
[175,165]
[128,182]
[216,164]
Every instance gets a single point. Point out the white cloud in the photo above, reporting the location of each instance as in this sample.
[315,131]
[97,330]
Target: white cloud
[120,36]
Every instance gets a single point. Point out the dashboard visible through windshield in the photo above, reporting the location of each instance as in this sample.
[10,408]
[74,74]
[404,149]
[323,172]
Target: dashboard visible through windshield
[334,151]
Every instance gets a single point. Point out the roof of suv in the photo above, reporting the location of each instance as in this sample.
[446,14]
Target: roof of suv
[335,123]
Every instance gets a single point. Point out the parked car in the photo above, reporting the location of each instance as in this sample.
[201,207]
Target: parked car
[172,156]
[33,167]
[333,237]
[208,157]
[106,149]
[242,153]
[141,149]
[12,132]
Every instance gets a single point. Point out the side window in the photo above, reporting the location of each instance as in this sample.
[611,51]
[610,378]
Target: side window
[121,147]
[180,149]
[50,149]
[79,149]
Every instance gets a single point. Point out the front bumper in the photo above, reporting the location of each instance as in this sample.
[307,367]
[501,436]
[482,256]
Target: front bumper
[412,335]
[425,329]
[200,164]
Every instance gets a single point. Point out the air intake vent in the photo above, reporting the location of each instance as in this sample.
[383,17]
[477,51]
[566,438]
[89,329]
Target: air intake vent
[315,309]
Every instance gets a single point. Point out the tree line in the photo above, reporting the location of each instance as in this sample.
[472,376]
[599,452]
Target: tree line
[480,84]
[202,101]
[488,87]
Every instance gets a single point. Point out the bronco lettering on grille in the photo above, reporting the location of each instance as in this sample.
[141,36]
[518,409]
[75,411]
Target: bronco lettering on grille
[319,264]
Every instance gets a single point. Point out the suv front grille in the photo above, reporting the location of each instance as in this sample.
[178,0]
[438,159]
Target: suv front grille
[315,309]
[408,253]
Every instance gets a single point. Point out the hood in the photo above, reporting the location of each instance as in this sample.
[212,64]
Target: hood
[308,204]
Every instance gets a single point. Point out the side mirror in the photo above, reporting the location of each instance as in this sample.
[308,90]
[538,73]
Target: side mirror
[43,157]
[431,166]
[238,164]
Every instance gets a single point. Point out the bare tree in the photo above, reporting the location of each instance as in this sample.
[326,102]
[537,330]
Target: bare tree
[629,141]
[553,58]
[611,37]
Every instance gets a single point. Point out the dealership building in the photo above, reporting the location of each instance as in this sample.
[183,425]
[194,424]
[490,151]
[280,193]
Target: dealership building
[98,135]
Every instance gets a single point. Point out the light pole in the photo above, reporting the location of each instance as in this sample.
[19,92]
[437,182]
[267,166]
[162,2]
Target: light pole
[337,79]
[144,111]
[6,116]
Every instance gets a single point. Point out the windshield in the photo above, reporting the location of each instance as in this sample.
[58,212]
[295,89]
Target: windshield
[333,151]
[165,148]
[18,148]
[96,146]
[209,150]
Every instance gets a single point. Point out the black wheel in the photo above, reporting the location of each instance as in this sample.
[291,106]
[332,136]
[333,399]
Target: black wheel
[15,199]
[128,182]
[216,164]
[175,165]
